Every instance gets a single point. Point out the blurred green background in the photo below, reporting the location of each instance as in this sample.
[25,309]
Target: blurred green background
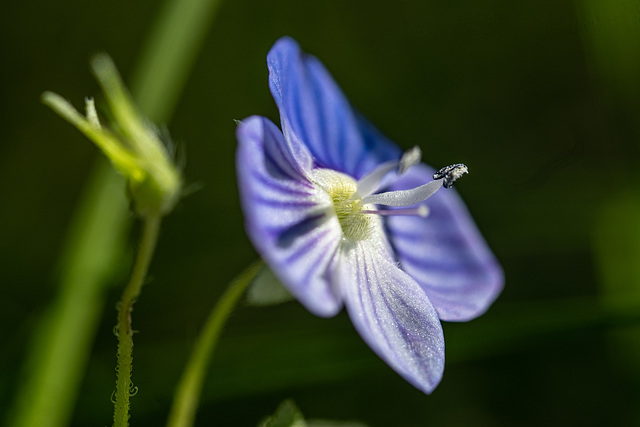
[540,99]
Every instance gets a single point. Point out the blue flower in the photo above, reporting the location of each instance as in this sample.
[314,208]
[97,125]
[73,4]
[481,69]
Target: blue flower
[338,213]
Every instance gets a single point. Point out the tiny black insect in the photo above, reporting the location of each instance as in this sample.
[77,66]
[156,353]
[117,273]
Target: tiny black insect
[450,174]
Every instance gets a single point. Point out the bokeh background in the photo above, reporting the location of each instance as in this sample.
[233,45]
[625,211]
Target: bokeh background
[540,99]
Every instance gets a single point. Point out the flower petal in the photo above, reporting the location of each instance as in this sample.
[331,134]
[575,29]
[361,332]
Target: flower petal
[313,107]
[286,215]
[393,315]
[445,252]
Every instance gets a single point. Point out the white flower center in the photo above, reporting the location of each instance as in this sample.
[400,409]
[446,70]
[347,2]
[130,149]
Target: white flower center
[352,214]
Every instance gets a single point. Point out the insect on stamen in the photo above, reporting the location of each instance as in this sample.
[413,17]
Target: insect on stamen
[450,174]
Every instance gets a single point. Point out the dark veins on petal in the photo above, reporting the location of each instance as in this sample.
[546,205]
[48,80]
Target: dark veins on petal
[292,233]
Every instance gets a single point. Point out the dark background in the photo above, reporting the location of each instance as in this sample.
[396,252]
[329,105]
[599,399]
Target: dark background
[540,99]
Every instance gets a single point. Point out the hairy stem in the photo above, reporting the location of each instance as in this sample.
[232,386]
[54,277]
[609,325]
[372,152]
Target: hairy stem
[124,386]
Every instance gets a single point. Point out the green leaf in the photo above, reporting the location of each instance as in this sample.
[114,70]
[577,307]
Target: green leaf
[287,415]
[328,423]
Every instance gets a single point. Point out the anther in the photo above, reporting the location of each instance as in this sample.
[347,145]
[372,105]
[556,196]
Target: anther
[450,174]
[409,158]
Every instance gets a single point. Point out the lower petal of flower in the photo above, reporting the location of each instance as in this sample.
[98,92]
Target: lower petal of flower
[392,314]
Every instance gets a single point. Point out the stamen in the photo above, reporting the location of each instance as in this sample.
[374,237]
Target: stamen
[451,174]
[404,197]
[421,210]
[371,181]
[410,158]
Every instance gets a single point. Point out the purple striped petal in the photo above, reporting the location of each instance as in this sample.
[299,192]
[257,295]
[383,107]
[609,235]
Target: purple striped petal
[393,315]
[445,252]
[286,215]
[313,107]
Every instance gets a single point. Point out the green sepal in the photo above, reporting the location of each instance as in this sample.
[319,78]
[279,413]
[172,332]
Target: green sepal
[287,415]
[131,143]
[266,290]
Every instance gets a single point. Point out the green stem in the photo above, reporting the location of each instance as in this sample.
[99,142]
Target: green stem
[124,386]
[60,350]
[170,53]
[187,396]
[62,341]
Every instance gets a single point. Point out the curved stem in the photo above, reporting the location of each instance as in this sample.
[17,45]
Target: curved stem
[187,396]
[151,227]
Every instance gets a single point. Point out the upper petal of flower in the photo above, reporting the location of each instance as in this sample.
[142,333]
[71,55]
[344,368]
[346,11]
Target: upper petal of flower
[393,315]
[445,252]
[286,215]
[313,107]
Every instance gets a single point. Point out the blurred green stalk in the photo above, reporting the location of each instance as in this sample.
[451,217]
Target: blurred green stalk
[617,252]
[61,347]
[169,55]
[611,36]
[62,343]
[185,402]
